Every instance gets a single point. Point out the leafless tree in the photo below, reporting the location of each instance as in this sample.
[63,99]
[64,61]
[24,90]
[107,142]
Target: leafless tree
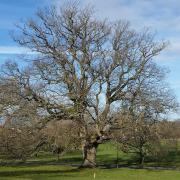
[82,67]
[138,122]
[63,136]
[17,143]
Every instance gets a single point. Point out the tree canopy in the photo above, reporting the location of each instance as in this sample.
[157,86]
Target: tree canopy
[84,70]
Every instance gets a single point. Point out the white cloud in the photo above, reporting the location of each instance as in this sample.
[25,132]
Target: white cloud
[14,50]
[161,16]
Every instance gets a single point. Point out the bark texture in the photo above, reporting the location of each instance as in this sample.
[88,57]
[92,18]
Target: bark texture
[89,154]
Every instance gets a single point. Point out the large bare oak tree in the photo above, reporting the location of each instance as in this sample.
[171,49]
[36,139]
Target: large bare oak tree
[81,70]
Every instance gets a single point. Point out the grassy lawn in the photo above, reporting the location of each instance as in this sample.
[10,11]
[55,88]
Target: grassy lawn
[106,154]
[46,166]
[56,172]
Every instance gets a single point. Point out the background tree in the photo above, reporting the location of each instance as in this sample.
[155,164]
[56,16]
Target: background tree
[62,136]
[137,127]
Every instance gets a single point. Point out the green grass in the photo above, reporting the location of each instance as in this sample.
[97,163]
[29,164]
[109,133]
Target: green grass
[106,154]
[55,172]
[46,166]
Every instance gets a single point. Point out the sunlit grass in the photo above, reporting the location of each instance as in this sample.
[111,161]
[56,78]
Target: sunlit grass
[46,166]
[56,172]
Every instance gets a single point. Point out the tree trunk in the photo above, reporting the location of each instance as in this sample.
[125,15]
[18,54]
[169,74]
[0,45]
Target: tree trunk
[141,160]
[117,156]
[89,155]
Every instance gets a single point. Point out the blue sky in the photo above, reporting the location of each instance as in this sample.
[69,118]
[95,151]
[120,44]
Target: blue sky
[162,16]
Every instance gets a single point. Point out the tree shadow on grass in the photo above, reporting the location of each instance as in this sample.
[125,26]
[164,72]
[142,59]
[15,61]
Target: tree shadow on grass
[69,172]
[63,161]
[108,159]
[171,159]
[105,159]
